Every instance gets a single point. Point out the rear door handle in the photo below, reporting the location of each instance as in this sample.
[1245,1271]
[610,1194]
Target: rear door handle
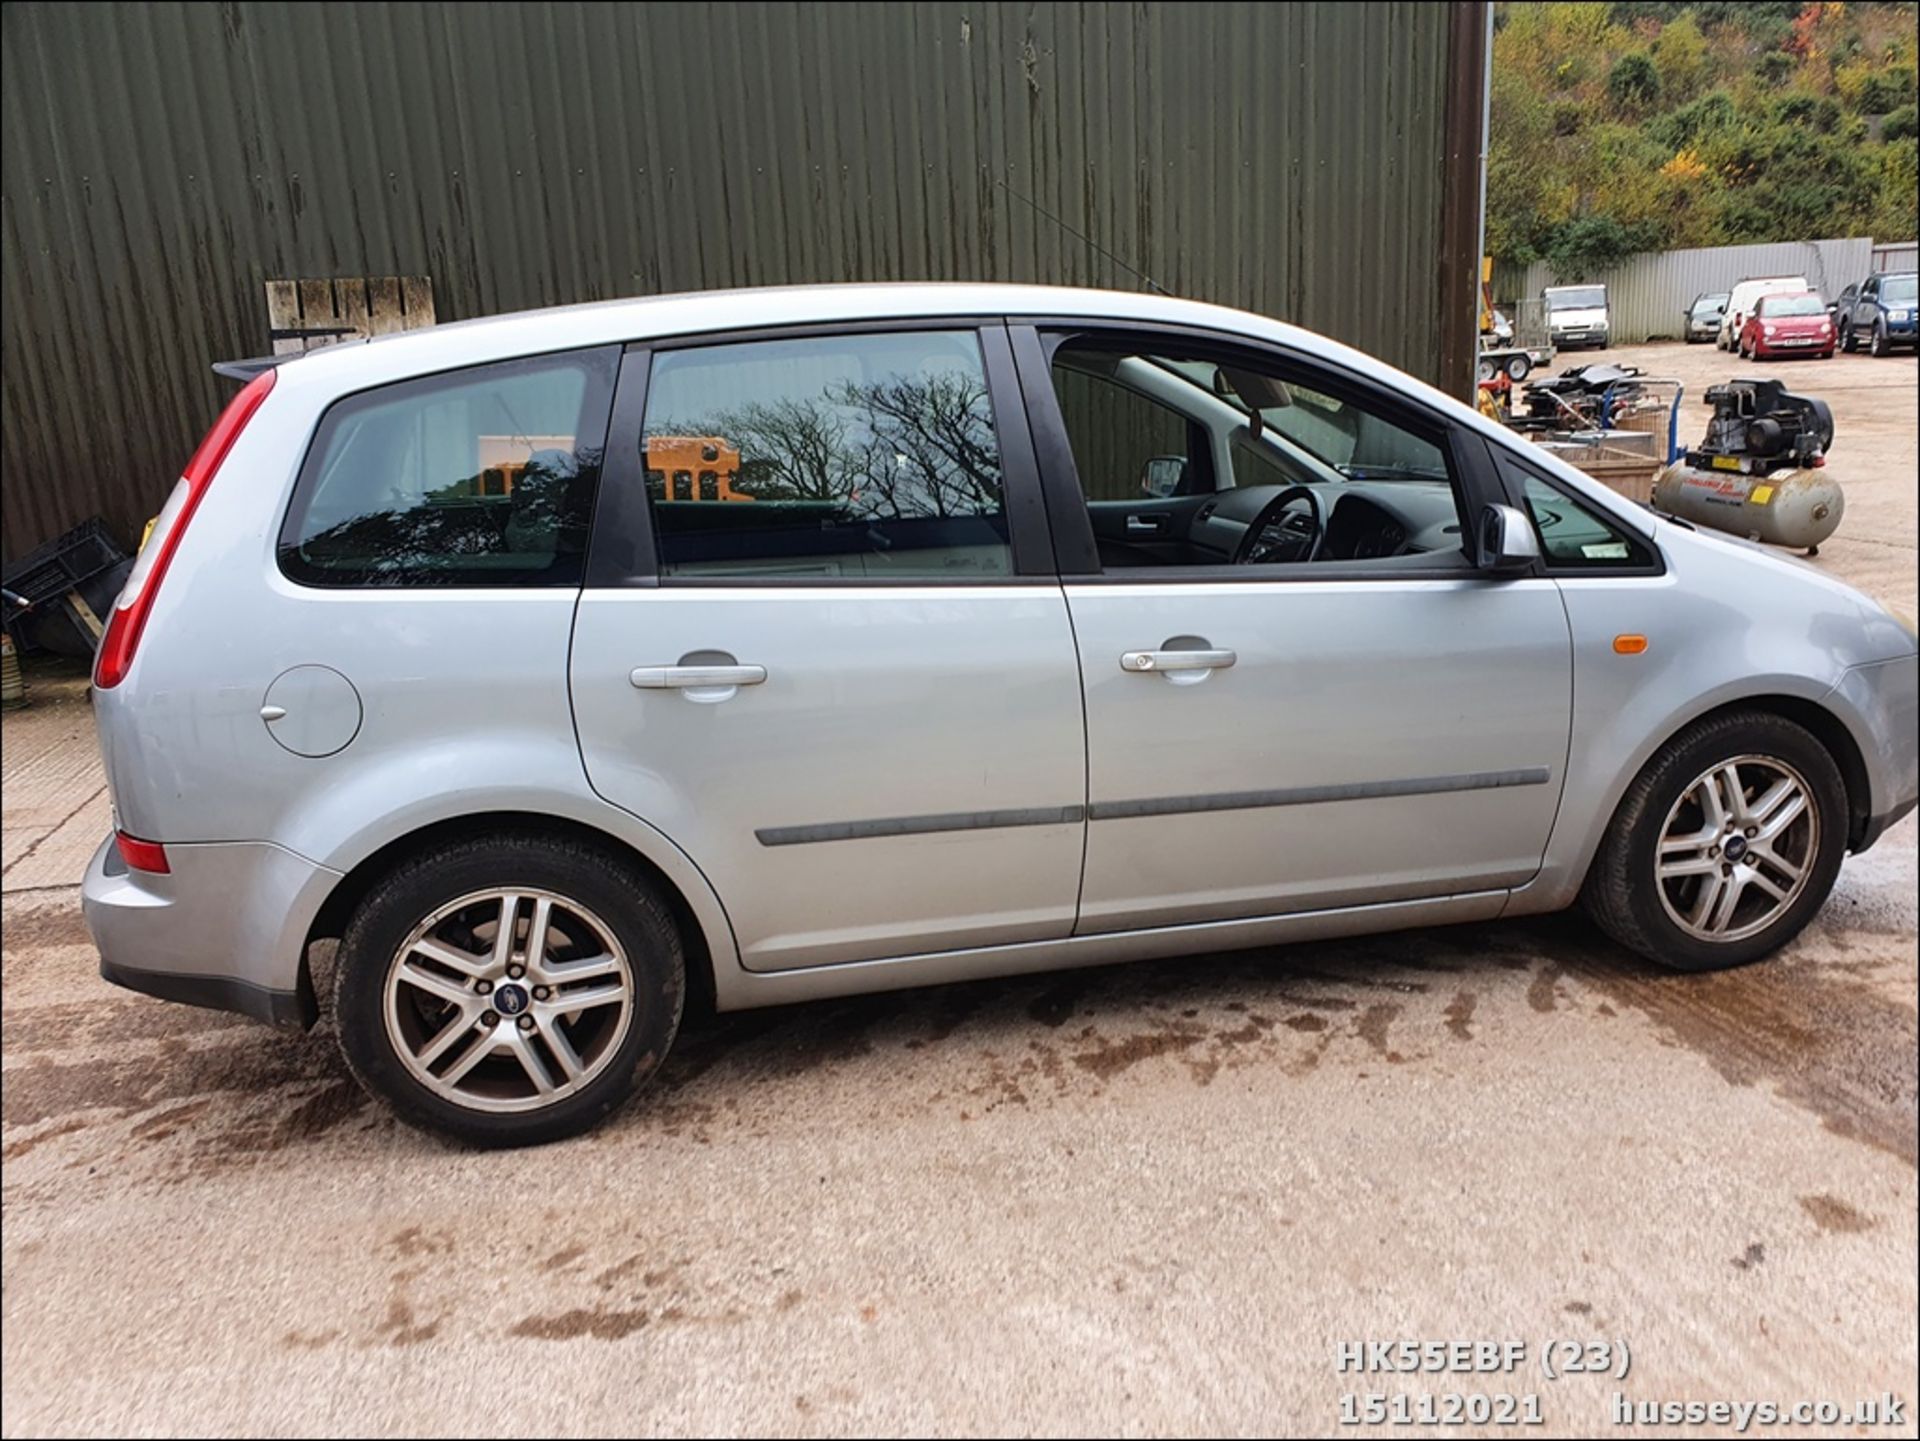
[695,677]
[1145,661]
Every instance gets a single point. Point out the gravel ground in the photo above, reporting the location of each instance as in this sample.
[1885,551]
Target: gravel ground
[1140,1200]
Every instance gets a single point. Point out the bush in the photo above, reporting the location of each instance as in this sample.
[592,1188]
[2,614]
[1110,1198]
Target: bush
[1901,124]
[1633,83]
[1776,66]
[1580,247]
[1814,112]
[1886,90]
[1715,111]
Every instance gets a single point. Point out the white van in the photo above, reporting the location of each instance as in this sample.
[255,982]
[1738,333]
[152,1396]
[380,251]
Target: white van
[1577,315]
[1740,304]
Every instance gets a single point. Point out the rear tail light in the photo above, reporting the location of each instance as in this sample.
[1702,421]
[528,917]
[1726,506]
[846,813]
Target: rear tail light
[148,856]
[130,612]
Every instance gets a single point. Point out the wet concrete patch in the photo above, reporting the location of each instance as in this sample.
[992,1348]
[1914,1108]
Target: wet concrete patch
[264,1062]
[1830,1213]
[1460,1015]
[46,925]
[580,1323]
[1819,1037]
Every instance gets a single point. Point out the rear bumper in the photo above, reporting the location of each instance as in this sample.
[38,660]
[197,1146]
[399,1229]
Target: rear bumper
[226,928]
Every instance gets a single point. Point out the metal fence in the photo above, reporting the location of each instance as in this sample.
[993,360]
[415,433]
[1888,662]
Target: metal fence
[1897,257]
[160,162]
[1649,294]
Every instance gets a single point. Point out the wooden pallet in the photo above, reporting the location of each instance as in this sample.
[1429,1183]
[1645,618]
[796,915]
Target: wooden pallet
[360,305]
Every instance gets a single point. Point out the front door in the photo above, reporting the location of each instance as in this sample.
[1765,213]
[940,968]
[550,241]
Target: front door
[1318,701]
[849,692]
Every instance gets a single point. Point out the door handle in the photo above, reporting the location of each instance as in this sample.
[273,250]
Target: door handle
[693,677]
[1145,661]
[1147,525]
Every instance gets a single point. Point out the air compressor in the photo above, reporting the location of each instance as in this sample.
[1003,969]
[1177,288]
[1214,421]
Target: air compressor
[1760,472]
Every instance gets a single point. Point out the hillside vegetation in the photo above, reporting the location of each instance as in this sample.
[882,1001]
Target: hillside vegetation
[1629,127]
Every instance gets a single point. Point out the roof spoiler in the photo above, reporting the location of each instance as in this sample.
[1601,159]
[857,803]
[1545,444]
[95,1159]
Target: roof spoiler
[244,370]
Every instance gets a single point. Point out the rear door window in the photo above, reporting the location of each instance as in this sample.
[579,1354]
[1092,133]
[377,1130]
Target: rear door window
[854,457]
[478,477]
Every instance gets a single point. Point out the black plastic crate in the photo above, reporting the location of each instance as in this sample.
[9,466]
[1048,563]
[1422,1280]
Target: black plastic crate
[64,563]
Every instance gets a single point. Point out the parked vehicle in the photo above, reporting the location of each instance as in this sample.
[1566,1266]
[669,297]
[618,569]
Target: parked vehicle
[546,757]
[1702,319]
[1577,315]
[1884,311]
[1788,323]
[1740,304]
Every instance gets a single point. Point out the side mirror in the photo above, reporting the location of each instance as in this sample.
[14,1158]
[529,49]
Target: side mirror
[1508,542]
[1163,475]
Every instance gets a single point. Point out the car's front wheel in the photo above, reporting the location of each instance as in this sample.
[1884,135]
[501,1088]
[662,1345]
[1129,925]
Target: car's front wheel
[509,989]
[1879,345]
[1724,846]
[1846,337]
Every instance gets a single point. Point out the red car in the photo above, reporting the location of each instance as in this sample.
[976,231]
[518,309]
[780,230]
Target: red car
[1791,322]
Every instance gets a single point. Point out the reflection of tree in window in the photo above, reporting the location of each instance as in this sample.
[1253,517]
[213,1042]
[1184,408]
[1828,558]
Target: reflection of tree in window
[466,525]
[709,485]
[896,448]
[682,485]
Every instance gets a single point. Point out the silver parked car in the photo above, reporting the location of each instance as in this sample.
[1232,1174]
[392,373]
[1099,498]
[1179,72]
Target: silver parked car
[785,644]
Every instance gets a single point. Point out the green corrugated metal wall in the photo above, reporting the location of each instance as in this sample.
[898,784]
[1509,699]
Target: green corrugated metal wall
[161,161]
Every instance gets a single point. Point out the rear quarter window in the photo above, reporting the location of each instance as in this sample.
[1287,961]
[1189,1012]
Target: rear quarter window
[478,477]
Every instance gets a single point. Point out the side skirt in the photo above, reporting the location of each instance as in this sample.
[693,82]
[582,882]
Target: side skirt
[738,989]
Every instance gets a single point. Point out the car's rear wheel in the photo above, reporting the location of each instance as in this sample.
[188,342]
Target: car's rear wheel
[508,990]
[1725,846]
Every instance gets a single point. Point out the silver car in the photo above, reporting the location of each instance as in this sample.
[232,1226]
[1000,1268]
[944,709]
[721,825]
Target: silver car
[784,644]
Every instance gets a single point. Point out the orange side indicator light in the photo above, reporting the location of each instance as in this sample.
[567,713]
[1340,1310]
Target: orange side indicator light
[1629,644]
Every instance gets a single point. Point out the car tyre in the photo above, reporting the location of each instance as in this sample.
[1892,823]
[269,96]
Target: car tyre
[627,920]
[1847,342]
[1878,346]
[1519,367]
[1663,811]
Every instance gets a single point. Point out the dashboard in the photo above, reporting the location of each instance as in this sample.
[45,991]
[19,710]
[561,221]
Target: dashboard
[1366,520]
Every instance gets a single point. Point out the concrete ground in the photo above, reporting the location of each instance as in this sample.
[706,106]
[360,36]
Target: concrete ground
[1140,1200]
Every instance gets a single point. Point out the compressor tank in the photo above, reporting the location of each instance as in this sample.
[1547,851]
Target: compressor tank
[1796,508]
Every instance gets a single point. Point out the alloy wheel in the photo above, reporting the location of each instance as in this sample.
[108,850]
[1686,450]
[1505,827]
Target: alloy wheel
[1737,848]
[508,1000]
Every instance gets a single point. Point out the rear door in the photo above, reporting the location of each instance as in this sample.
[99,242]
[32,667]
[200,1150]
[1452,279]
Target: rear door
[843,682]
[1867,306]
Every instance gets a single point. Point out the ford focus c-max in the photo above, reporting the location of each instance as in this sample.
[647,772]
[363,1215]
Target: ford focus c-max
[796,643]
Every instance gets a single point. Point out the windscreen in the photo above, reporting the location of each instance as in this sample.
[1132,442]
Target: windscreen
[1775,306]
[1584,297]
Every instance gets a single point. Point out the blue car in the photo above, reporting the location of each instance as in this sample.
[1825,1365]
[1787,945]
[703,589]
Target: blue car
[1884,311]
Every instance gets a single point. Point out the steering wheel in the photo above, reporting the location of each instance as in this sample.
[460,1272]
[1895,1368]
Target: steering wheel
[1281,532]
